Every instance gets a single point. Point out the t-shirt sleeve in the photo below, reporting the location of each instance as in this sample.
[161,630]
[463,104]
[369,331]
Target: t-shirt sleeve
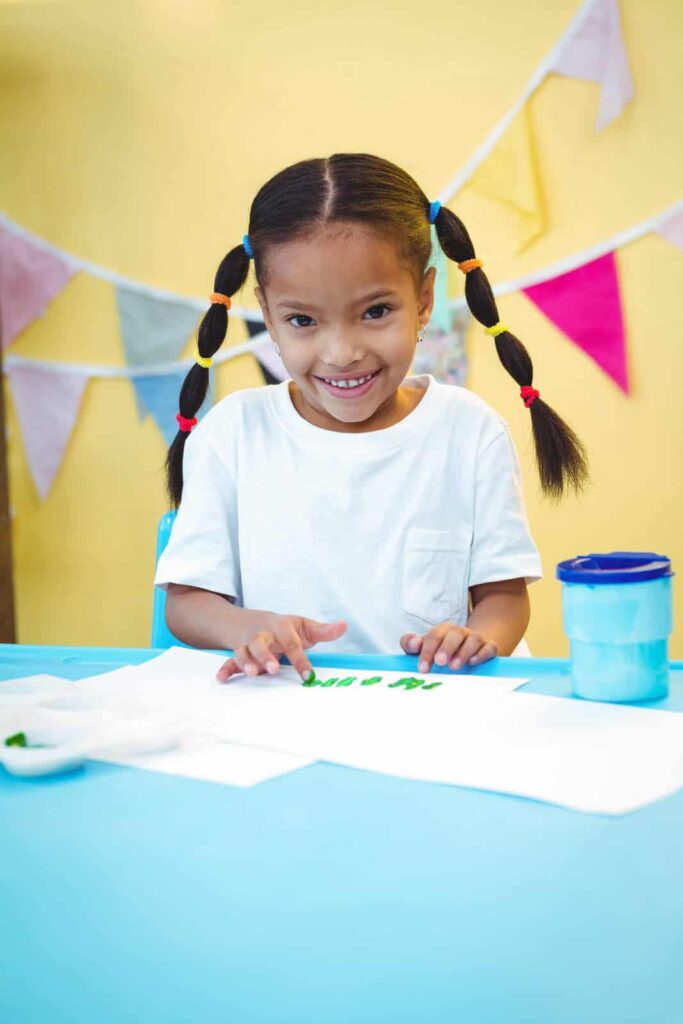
[502,546]
[202,550]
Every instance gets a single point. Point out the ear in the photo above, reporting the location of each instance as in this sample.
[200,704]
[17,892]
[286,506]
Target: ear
[426,296]
[261,298]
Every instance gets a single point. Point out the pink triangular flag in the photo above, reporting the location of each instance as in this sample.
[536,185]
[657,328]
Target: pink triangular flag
[596,51]
[30,278]
[585,304]
[672,229]
[47,405]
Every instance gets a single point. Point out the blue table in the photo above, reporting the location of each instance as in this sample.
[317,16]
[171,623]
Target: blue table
[330,894]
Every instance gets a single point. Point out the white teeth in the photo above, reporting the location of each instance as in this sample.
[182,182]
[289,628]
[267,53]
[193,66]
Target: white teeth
[351,383]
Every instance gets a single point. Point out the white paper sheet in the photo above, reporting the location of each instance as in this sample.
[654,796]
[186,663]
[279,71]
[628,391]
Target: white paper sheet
[213,760]
[583,755]
[589,756]
[182,672]
[28,690]
[472,731]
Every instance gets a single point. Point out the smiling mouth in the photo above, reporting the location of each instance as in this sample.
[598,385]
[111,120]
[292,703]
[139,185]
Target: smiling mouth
[343,381]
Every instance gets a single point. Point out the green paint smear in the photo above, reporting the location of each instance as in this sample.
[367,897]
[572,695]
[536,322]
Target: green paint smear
[17,740]
[410,683]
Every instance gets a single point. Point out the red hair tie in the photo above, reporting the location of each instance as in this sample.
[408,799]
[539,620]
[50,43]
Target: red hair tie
[529,394]
[185,424]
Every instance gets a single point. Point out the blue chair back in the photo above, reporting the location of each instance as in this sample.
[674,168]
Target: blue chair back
[161,634]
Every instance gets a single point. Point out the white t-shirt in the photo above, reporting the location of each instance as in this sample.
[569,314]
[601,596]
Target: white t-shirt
[385,529]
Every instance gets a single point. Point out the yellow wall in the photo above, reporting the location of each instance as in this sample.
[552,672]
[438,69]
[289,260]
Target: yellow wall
[136,136]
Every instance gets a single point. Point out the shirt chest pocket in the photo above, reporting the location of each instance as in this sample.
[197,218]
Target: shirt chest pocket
[436,573]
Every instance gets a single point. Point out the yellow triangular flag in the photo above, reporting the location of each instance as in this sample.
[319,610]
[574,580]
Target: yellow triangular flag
[509,174]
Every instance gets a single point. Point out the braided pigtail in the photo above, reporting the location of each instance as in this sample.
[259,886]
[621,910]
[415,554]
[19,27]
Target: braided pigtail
[230,276]
[560,455]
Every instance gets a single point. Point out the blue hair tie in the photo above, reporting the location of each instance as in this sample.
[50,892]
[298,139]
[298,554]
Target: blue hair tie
[247,247]
[433,210]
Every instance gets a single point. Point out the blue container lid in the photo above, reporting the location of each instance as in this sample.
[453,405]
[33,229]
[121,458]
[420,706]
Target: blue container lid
[614,567]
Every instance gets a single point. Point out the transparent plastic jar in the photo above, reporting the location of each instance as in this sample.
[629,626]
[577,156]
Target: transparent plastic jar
[617,612]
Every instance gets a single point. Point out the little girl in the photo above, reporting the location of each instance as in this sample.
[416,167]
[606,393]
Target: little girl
[352,488]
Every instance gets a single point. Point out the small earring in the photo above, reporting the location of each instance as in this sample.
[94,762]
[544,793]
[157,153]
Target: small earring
[421,334]
[277,349]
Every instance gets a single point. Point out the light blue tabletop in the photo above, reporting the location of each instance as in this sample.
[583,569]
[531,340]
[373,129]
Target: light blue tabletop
[330,895]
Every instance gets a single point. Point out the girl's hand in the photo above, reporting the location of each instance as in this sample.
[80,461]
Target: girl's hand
[449,644]
[287,634]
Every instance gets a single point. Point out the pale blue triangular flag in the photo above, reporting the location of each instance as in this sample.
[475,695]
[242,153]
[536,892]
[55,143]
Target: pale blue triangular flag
[153,330]
[159,396]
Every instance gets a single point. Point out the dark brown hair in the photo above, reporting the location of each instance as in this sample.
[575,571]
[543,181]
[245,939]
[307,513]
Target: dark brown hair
[366,189]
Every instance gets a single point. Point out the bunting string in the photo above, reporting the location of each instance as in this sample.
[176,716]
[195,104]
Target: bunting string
[659,223]
[504,167]
[75,264]
[537,78]
[254,344]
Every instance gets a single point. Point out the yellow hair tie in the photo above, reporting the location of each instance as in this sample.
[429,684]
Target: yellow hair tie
[205,362]
[496,329]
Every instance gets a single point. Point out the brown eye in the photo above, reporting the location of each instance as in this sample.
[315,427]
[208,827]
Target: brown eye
[382,305]
[298,316]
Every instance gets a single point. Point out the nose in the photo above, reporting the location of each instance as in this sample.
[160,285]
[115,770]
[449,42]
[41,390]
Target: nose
[340,351]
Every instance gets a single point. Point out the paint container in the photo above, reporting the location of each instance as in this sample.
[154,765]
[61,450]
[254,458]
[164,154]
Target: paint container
[617,612]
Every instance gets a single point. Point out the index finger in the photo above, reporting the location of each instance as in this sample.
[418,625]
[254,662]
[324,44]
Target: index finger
[226,669]
[290,641]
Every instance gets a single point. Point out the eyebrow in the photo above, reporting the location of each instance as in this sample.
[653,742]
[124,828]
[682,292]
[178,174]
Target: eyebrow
[296,304]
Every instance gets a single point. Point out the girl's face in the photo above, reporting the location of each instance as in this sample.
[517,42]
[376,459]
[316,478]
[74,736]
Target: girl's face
[339,304]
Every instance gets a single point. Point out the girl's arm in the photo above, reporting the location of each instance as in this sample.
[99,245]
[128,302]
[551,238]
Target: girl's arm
[202,618]
[500,612]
